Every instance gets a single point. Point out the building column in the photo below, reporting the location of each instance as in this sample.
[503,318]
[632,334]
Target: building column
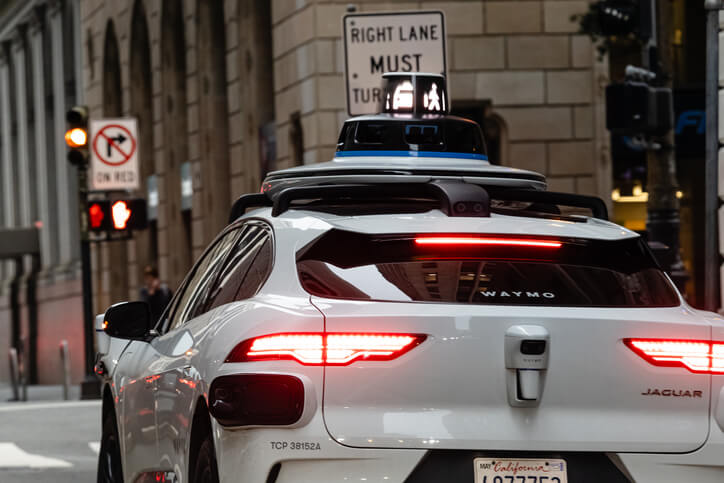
[6,138]
[21,116]
[8,200]
[78,57]
[63,168]
[44,188]
[7,212]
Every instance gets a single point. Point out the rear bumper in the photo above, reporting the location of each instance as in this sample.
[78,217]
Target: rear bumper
[305,455]
[309,455]
[416,466]
[703,466]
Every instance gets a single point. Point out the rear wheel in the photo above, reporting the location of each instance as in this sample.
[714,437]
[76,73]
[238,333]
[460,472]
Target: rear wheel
[110,469]
[206,470]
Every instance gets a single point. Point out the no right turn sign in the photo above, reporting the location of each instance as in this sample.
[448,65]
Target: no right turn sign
[114,154]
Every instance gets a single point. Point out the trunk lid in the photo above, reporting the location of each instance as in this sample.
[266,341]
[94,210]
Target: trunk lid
[525,343]
[451,392]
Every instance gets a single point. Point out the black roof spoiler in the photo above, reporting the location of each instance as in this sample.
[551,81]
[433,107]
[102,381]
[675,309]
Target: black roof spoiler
[593,203]
[456,198]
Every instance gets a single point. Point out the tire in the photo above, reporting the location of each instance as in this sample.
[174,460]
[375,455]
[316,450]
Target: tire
[110,468]
[205,470]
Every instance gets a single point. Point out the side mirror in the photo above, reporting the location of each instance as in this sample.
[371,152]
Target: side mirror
[128,320]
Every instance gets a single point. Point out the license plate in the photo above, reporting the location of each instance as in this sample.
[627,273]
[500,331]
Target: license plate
[494,470]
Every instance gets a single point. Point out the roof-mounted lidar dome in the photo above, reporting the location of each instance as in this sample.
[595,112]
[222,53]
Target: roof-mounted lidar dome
[413,121]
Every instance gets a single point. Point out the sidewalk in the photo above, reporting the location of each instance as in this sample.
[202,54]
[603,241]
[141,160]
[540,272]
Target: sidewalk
[39,393]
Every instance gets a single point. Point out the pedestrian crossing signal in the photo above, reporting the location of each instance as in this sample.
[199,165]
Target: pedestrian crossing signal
[97,216]
[117,216]
[121,214]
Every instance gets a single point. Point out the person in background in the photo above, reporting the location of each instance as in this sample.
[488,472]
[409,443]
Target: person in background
[155,293]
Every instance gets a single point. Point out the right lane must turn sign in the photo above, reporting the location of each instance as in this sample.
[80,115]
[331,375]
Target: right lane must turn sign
[376,43]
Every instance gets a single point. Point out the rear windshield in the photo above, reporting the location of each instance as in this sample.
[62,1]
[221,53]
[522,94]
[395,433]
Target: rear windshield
[580,273]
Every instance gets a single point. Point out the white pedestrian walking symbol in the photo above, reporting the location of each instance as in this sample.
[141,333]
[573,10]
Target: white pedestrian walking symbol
[431,100]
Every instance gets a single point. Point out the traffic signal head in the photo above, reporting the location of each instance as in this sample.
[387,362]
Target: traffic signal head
[618,17]
[98,219]
[76,136]
[117,216]
[121,214]
[77,115]
[624,17]
[634,108]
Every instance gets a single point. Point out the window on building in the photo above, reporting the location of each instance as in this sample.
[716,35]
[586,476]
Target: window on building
[493,127]
[296,139]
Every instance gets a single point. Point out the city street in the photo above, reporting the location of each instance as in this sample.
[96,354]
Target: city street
[284,241]
[49,441]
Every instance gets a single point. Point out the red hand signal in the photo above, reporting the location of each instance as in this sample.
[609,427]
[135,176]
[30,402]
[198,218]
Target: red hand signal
[95,212]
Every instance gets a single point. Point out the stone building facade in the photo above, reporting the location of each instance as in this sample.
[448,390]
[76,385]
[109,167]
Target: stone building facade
[207,79]
[225,90]
[39,79]
[521,61]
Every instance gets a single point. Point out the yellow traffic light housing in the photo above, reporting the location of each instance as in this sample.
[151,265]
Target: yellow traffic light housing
[76,136]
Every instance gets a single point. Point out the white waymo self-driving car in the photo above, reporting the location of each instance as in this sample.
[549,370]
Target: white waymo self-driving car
[415,316]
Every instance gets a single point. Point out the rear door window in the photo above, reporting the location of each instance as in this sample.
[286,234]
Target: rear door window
[246,268]
[190,300]
[579,274]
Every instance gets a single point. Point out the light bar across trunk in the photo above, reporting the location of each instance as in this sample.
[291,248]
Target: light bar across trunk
[468,240]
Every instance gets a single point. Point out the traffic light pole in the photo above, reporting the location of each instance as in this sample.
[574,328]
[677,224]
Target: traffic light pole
[663,222]
[91,385]
[712,261]
[76,137]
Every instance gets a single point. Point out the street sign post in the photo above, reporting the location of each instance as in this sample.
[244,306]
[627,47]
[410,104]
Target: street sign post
[375,43]
[114,154]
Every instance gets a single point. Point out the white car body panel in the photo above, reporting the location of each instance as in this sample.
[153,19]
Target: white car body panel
[137,419]
[426,399]
[376,421]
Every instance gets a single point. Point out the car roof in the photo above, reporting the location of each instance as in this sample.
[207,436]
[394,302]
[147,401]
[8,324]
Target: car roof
[403,166]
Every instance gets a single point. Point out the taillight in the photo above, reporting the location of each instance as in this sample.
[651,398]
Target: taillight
[695,355]
[469,240]
[345,348]
[325,349]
